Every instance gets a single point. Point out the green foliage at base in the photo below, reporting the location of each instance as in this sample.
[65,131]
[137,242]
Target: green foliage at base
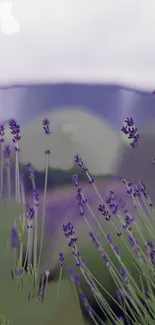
[55,309]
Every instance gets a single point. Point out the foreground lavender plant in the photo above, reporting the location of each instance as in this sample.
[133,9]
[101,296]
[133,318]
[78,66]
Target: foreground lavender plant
[135,291]
[122,239]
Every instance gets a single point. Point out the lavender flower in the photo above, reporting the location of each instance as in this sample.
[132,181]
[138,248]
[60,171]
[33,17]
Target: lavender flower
[119,294]
[68,229]
[2,133]
[36,197]
[131,241]
[81,200]
[61,258]
[47,151]
[124,275]
[80,163]
[14,237]
[106,260]
[30,213]
[7,151]
[31,171]
[91,180]
[85,302]
[130,130]
[94,239]
[15,131]
[46,126]
[152,256]
[122,272]
[76,279]
[109,239]
[102,208]
[69,233]
[116,250]
[75,180]
[111,201]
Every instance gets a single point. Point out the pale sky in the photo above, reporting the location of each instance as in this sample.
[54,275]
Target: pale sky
[81,40]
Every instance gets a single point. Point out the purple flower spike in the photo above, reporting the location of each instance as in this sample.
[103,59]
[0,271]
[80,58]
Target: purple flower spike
[130,130]
[75,180]
[94,239]
[15,131]
[76,279]
[129,121]
[31,171]
[47,152]
[61,258]
[119,294]
[122,272]
[36,197]
[14,237]
[80,163]
[2,132]
[124,275]
[68,229]
[46,126]
[30,213]
[109,239]
[7,151]
[85,302]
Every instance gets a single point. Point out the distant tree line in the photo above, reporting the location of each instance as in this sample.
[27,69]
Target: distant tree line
[56,177]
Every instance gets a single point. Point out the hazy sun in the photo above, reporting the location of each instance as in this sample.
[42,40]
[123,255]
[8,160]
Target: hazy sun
[9,24]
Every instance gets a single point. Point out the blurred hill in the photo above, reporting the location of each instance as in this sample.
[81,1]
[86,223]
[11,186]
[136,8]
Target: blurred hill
[73,131]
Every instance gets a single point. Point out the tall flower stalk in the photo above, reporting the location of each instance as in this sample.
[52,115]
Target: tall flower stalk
[15,132]
[46,128]
[7,154]
[2,134]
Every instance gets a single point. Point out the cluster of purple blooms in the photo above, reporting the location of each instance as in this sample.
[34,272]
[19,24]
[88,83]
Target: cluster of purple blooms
[46,126]
[69,232]
[6,149]
[150,251]
[110,206]
[131,130]
[15,131]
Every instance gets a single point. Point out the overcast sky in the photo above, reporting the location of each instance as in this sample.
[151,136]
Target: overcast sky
[81,40]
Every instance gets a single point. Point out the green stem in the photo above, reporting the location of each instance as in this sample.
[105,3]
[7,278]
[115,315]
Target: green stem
[2,165]
[44,207]
[17,178]
[8,181]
